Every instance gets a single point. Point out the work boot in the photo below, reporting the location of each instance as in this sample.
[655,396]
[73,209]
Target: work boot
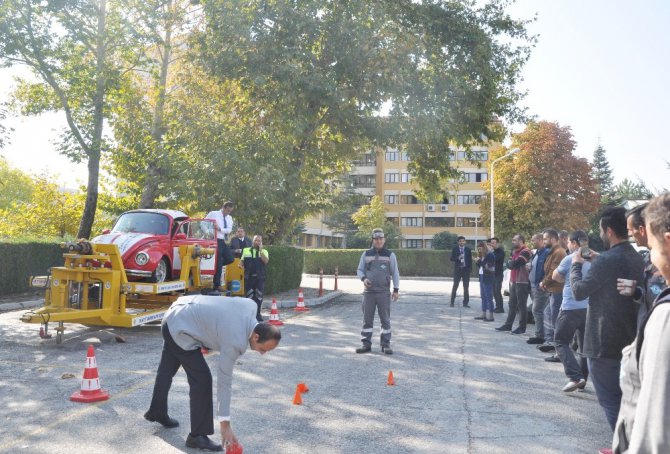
[387,350]
[364,349]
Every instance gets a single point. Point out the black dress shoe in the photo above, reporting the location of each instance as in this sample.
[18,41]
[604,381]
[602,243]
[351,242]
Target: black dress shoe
[519,331]
[553,359]
[364,349]
[202,442]
[546,348]
[499,311]
[503,328]
[166,421]
[535,340]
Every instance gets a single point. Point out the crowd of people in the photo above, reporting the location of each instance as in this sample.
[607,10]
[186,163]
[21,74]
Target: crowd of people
[592,311]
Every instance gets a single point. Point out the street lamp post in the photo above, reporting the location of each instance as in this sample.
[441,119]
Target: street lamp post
[509,153]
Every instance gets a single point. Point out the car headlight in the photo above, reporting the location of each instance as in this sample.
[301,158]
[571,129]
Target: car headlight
[142,258]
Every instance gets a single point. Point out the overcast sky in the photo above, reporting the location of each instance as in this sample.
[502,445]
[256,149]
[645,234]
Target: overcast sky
[600,67]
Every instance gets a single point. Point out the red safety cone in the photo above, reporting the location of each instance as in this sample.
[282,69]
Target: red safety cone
[297,398]
[90,384]
[274,315]
[301,302]
[390,381]
[302,387]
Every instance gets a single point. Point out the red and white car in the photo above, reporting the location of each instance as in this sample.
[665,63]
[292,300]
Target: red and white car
[149,242]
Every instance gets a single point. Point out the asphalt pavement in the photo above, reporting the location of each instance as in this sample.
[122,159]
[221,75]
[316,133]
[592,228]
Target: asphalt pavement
[461,387]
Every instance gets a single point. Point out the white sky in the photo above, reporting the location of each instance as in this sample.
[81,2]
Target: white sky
[600,67]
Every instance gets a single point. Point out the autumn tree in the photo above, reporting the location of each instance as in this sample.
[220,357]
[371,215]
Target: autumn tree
[544,185]
[15,185]
[70,46]
[372,216]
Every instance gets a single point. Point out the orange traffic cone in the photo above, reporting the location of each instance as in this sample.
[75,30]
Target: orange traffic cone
[301,302]
[302,388]
[234,448]
[274,315]
[297,398]
[391,380]
[90,384]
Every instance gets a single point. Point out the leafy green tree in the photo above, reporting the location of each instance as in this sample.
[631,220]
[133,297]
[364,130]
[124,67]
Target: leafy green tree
[602,173]
[320,72]
[15,185]
[71,47]
[4,131]
[344,204]
[630,190]
[372,216]
[544,185]
[444,240]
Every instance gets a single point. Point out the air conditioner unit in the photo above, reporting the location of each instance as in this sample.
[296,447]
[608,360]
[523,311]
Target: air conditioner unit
[444,208]
[430,207]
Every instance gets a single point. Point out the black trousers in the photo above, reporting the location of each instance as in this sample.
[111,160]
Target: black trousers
[254,288]
[518,296]
[497,291]
[224,257]
[461,273]
[199,383]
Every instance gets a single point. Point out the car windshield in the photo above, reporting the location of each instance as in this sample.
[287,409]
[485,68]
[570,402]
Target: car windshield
[153,223]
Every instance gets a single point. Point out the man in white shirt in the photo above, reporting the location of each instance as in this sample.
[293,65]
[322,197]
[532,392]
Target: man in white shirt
[224,225]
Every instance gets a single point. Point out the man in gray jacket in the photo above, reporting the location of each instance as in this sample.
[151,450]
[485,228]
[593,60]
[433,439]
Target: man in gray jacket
[377,267]
[226,325]
[610,317]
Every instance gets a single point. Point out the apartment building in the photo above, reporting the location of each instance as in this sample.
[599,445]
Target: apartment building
[384,173]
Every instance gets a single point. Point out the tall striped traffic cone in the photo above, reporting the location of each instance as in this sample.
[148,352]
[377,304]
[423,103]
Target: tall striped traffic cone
[90,384]
[301,302]
[274,315]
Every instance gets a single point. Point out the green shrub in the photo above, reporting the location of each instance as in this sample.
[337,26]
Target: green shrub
[411,262]
[25,259]
[284,270]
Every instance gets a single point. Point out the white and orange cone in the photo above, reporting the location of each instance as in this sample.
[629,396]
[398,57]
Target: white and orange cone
[301,302]
[90,384]
[274,315]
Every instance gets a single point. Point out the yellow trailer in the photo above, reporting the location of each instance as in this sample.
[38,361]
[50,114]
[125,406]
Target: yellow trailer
[92,288]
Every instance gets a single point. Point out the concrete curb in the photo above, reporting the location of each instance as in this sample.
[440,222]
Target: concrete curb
[308,302]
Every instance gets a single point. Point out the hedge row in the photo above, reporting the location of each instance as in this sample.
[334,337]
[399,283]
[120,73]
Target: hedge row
[22,260]
[411,262]
[284,270]
[25,259]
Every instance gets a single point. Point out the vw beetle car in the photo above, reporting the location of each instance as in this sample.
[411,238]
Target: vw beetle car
[149,241]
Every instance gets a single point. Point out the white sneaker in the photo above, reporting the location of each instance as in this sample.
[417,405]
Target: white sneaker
[574,385]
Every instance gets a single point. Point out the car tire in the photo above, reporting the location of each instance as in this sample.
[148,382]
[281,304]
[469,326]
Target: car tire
[162,271]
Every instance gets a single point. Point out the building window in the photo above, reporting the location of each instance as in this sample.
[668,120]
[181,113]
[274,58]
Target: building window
[476,155]
[467,222]
[405,178]
[411,222]
[429,244]
[408,200]
[308,240]
[469,199]
[392,155]
[391,199]
[391,177]
[363,181]
[404,156]
[475,177]
[393,221]
[366,160]
[413,244]
[440,222]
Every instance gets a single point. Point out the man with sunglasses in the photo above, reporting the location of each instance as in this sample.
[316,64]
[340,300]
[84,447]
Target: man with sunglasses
[377,267]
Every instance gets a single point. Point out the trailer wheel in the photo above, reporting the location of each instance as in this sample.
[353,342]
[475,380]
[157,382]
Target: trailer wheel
[160,274]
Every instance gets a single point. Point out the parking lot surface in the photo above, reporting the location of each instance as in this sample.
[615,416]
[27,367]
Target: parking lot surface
[461,387]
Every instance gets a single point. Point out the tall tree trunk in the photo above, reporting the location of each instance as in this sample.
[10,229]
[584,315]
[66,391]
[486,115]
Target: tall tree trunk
[88,216]
[153,176]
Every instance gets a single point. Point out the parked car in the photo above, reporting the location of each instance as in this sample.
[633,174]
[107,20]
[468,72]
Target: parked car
[149,242]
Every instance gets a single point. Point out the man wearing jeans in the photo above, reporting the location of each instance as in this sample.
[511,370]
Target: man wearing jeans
[540,297]
[611,317]
[519,286]
[571,319]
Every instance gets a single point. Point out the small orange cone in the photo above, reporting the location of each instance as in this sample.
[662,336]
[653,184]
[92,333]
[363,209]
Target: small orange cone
[302,388]
[301,302]
[391,380]
[297,398]
[90,384]
[234,448]
[274,315]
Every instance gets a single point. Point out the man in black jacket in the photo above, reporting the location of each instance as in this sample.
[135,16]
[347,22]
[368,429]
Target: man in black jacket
[499,253]
[240,242]
[611,317]
[461,255]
